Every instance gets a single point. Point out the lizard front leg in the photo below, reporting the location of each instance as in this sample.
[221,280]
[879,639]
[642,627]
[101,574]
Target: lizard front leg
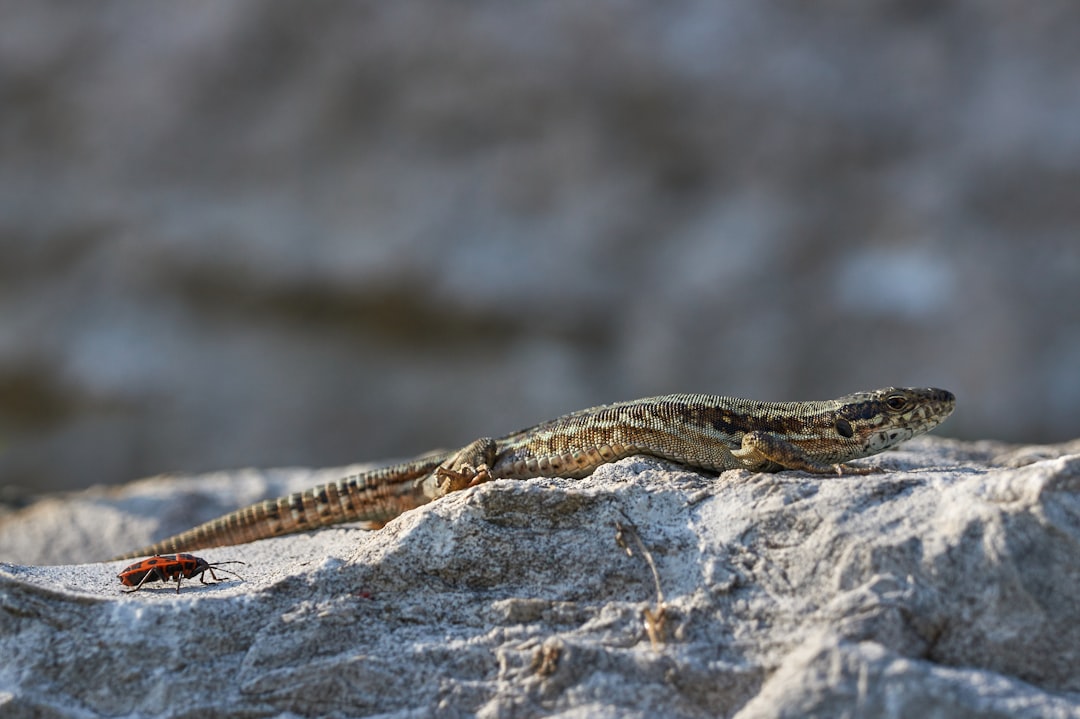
[759,449]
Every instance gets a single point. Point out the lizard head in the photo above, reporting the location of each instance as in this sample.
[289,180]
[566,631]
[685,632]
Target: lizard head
[884,418]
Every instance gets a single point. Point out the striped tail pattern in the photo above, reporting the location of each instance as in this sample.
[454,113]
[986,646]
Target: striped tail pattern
[376,496]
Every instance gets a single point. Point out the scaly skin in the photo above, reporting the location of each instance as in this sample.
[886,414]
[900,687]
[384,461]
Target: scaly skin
[702,431]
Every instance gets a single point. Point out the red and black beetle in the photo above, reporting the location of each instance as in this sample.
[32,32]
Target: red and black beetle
[168,567]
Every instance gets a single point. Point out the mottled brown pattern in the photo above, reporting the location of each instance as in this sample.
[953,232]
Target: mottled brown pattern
[704,431]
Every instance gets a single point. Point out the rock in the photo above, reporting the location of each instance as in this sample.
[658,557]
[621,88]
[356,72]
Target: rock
[945,586]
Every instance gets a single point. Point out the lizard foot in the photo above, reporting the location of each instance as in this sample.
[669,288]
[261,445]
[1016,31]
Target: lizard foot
[762,449]
[461,477]
[842,469]
[468,467]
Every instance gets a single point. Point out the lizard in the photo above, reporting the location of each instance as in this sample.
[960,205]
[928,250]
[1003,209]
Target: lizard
[706,432]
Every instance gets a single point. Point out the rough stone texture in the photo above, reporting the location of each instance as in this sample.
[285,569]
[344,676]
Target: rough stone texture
[948,586]
[248,233]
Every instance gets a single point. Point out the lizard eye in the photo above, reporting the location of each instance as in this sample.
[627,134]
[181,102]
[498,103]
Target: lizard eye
[896,401]
[843,428]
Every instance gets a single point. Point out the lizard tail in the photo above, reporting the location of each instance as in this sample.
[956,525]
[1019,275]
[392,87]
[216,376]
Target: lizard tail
[376,496]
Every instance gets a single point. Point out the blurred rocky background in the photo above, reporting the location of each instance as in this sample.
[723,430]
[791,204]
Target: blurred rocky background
[242,233]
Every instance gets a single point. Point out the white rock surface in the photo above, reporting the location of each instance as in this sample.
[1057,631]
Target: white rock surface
[948,586]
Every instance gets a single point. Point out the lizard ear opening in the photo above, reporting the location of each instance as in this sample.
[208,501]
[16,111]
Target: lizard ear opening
[843,428]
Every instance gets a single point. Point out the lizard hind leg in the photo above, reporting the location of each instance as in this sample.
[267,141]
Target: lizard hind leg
[470,466]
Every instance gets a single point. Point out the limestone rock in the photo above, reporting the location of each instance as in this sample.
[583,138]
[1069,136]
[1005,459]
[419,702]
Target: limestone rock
[944,586]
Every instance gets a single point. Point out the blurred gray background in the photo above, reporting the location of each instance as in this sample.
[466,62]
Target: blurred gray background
[242,233]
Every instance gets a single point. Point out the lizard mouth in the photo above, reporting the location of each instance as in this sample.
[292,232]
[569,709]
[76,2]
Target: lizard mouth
[879,441]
